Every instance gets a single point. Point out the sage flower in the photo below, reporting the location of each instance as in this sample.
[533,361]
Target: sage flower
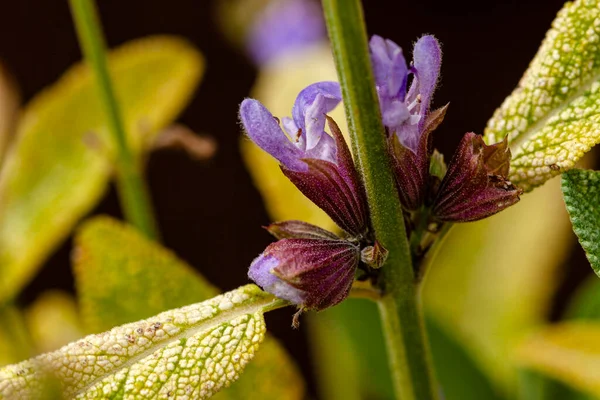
[320,165]
[405,111]
[308,266]
[476,184]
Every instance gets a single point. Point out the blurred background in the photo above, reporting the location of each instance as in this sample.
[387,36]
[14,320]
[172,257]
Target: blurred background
[209,212]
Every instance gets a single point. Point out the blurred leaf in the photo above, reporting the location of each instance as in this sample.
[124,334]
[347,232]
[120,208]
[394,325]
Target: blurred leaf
[52,177]
[112,259]
[277,86]
[15,343]
[192,352]
[9,107]
[53,321]
[458,374]
[585,303]
[349,352]
[581,190]
[553,117]
[568,352]
[493,280]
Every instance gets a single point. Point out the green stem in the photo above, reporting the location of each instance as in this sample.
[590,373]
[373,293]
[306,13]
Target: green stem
[399,306]
[133,193]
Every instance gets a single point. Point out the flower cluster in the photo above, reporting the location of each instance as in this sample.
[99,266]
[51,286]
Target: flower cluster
[315,268]
[310,266]
[475,185]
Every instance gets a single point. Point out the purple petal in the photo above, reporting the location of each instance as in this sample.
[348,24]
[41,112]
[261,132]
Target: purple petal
[310,108]
[264,130]
[285,26]
[335,187]
[260,272]
[389,66]
[427,59]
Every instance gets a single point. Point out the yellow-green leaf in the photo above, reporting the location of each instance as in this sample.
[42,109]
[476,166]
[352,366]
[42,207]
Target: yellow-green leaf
[192,352]
[493,280]
[112,259]
[15,343]
[60,164]
[53,321]
[553,117]
[568,352]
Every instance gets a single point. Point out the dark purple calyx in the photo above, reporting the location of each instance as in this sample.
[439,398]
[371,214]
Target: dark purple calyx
[476,184]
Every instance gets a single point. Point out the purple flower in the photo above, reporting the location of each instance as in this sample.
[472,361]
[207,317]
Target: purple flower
[320,165]
[405,112]
[314,269]
[476,184]
[285,26]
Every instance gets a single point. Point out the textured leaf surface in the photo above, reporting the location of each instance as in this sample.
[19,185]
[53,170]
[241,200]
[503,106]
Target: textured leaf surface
[553,117]
[568,352]
[493,280]
[581,190]
[112,259]
[60,163]
[190,352]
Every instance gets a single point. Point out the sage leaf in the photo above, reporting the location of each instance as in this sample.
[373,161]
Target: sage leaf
[553,117]
[110,255]
[60,162]
[581,191]
[192,351]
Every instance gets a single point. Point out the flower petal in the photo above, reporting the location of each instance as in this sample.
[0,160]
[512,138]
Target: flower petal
[261,272]
[311,105]
[285,26]
[264,130]
[427,59]
[335,188]
[389,67]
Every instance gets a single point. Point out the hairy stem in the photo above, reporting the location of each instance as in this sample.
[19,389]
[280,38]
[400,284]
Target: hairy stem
[133,193]
[399,305]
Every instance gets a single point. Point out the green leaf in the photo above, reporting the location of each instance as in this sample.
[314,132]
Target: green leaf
[585,303]
[568,352]
[61,162]
[15,343]
[458,374]
[553,117]
[581,190]
[192,351]
[112,258]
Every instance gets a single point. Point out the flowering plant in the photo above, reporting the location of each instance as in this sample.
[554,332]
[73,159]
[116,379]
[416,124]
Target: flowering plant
[377,202]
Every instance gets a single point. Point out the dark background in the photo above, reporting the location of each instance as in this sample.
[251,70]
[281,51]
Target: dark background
[209,213]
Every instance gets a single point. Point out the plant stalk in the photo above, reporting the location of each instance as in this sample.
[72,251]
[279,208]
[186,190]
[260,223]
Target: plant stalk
[399,306]
[132,190]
